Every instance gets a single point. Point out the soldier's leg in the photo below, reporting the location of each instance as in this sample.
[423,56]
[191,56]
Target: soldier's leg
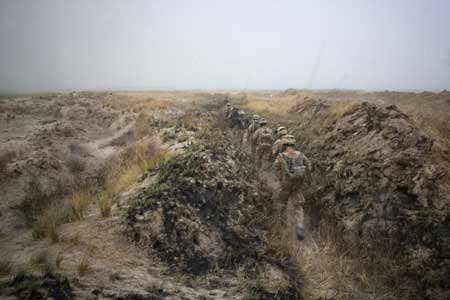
[267,157]
[259,154]
[253,149]
[298,202]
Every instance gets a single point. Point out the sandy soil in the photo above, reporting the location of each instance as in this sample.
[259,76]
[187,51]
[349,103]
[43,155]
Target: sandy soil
[55,141]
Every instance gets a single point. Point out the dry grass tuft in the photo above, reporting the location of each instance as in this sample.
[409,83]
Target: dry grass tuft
[329,271]
[104,204]
[6,158]
[137,103]
[84,268]
[272,107]
[41,262]
[58,260]
[6,267]
[78,202]
[47,222]
[333,272]
[73,239]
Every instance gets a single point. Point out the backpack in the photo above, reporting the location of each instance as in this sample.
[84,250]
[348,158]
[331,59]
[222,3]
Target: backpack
[295,168]
[265,137]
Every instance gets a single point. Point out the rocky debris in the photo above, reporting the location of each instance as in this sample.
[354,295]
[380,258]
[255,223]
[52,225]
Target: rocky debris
[206,211]
[377,178]
[32,287]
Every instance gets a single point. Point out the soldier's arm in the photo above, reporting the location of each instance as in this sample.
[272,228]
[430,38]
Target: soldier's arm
[274,148]
[307,163]
[255,136]
[277,165]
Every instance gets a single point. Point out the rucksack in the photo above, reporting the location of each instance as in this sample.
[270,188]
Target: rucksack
[296,170]
[265,137]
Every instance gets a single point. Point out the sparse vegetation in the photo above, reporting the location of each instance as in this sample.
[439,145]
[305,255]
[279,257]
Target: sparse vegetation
[84,268]
[73,239]
[59,259]
[184,213]
[78,202]
[47,222]
[104,204]
[6,267]
[134,102]
[6,158]
[41,262]
[37,199]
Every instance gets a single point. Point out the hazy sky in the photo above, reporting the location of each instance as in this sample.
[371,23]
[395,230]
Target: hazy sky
[112,44]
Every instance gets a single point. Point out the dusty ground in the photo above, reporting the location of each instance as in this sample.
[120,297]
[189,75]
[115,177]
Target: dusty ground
[56,142]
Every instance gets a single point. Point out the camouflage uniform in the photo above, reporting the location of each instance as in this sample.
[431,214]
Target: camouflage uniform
[291,196]
[262,139]
[234,118]
[254,125]
[227,109]
[243,120]
[276,148]
[243,125]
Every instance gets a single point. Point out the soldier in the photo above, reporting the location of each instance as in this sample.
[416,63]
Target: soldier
[262,141]
[227,109]
[276,148]
[234,118]
[243,120]
[254,124]
[291,167]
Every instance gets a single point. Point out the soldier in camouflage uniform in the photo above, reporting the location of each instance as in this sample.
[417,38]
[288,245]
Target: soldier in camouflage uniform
[227,109]
[276,148]
[244,121]
[262,139]
[261,123]
[233,117]
[254,124]
[291,167]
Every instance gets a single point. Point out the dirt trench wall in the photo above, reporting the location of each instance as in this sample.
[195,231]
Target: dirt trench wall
[204,211]
[376,177]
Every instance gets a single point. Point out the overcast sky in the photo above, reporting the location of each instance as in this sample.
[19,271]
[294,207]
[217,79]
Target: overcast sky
[111,44]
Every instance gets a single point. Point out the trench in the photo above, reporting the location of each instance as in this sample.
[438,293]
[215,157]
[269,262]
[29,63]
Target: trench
[329,268]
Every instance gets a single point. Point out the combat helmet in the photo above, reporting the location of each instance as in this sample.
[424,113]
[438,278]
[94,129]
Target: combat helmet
[288,140]
[281,131]
[262,122]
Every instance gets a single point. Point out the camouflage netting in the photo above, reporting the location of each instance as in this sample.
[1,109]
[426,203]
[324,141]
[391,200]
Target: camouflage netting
[205,210]
[376,177]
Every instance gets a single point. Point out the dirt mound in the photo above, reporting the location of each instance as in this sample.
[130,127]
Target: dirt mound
[206,211]
[309,106]
[377,178]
